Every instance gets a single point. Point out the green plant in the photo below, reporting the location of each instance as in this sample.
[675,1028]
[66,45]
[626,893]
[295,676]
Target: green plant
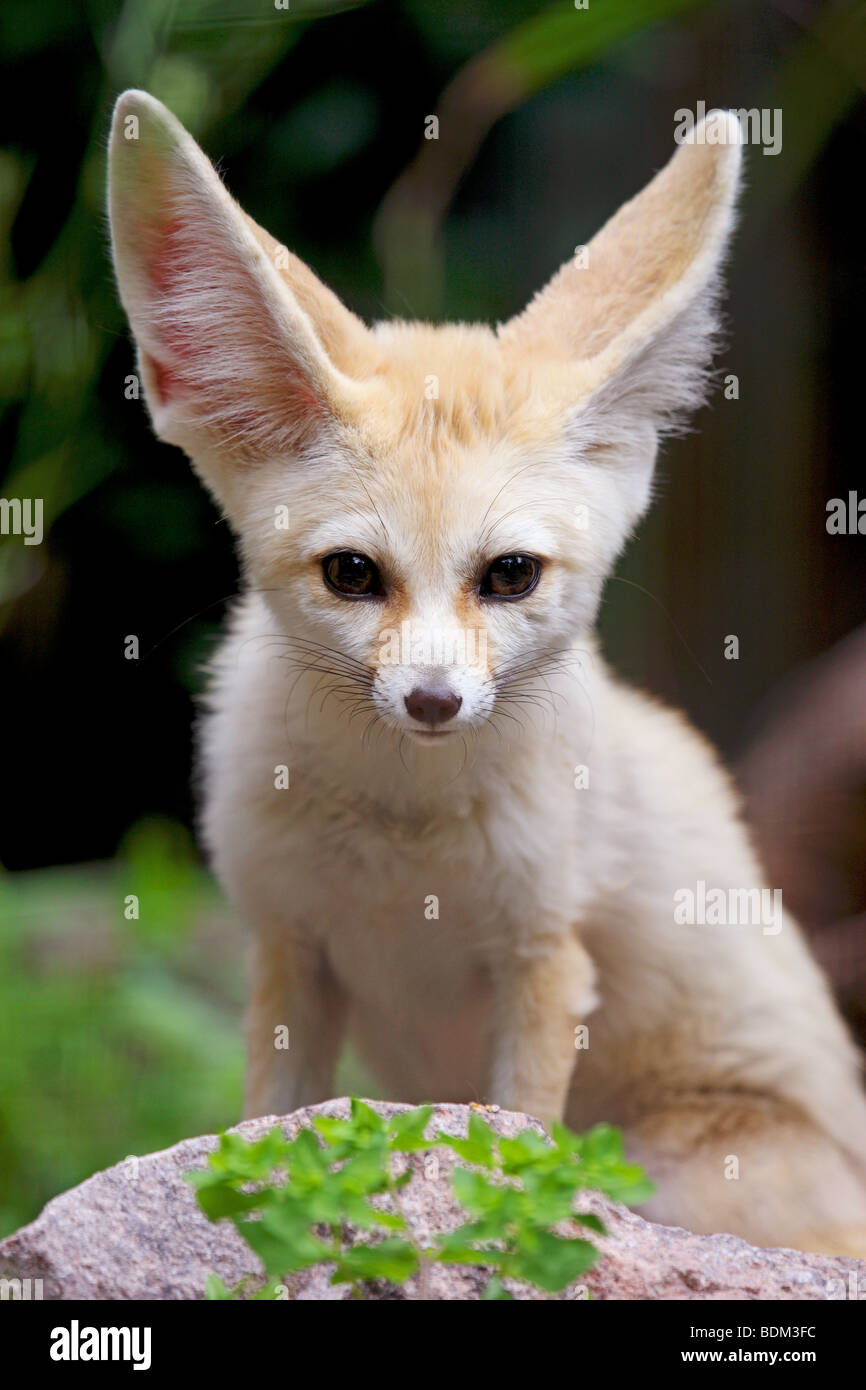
[294,1200]
[117,1036]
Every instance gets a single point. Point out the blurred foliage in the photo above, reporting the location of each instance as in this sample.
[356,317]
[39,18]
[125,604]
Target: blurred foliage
[118,1036]
[157,869]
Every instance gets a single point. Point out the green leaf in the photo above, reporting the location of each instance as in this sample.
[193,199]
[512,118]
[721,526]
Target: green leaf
[479,1145]
[392,1259]
[496,1291]
[367,1217]
[391,1220]
[283,1242]
[222,1200]
[602,1145]
[481,1133]
[252,1161]
[406,1132]
[565,1140]
[364,1172]
[335,1132]
[523,1151]
[476,1193]
[551,1262]
[268,1292]
[466,1149]
[366,1119]
[602,1164]
[315,1205]
[550,1196]
[308,1161]
[466,1244]
[629,1185]
[548,44]
[587,1218]
[215,1289]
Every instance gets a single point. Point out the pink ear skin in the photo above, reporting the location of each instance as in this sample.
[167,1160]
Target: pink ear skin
[171,250]
[166,382]
[239,353]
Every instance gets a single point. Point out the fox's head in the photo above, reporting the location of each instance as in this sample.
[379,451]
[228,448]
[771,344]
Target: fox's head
[437,506]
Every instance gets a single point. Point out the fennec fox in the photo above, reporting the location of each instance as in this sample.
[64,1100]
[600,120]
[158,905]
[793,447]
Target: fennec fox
[455,836]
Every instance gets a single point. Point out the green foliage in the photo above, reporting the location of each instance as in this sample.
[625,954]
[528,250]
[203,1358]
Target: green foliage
[293,1200]
[159,867]
[116,1037]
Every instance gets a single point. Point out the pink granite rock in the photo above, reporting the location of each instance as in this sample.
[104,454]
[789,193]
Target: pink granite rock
[136,1232]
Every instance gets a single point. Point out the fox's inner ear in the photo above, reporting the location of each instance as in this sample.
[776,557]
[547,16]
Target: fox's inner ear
[238,341]
[636,308]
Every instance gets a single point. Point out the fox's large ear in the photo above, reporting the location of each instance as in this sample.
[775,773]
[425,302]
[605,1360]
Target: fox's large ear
[240,346]
[636,313]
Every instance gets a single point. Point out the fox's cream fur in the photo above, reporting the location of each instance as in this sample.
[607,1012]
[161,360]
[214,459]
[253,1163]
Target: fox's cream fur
[459,911]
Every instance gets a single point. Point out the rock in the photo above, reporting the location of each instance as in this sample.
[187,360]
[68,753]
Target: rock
[136,1232]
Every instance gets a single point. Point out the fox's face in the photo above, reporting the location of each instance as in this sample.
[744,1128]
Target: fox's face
[444,550]
[430,512]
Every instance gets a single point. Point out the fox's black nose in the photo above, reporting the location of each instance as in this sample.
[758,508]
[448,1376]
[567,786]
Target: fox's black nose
[433,705]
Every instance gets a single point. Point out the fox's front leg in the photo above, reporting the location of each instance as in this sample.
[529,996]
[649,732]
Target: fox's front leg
[295,1024]
[539,998]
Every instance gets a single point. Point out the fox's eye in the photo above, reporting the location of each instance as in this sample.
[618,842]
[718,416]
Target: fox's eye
[354,576]
[511,576]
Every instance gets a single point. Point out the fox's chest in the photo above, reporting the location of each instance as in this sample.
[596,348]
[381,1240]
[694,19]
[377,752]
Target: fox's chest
[334,854]
[415,954]
[422,907]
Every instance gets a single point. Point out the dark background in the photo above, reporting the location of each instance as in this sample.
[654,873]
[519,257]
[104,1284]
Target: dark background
[550,118]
